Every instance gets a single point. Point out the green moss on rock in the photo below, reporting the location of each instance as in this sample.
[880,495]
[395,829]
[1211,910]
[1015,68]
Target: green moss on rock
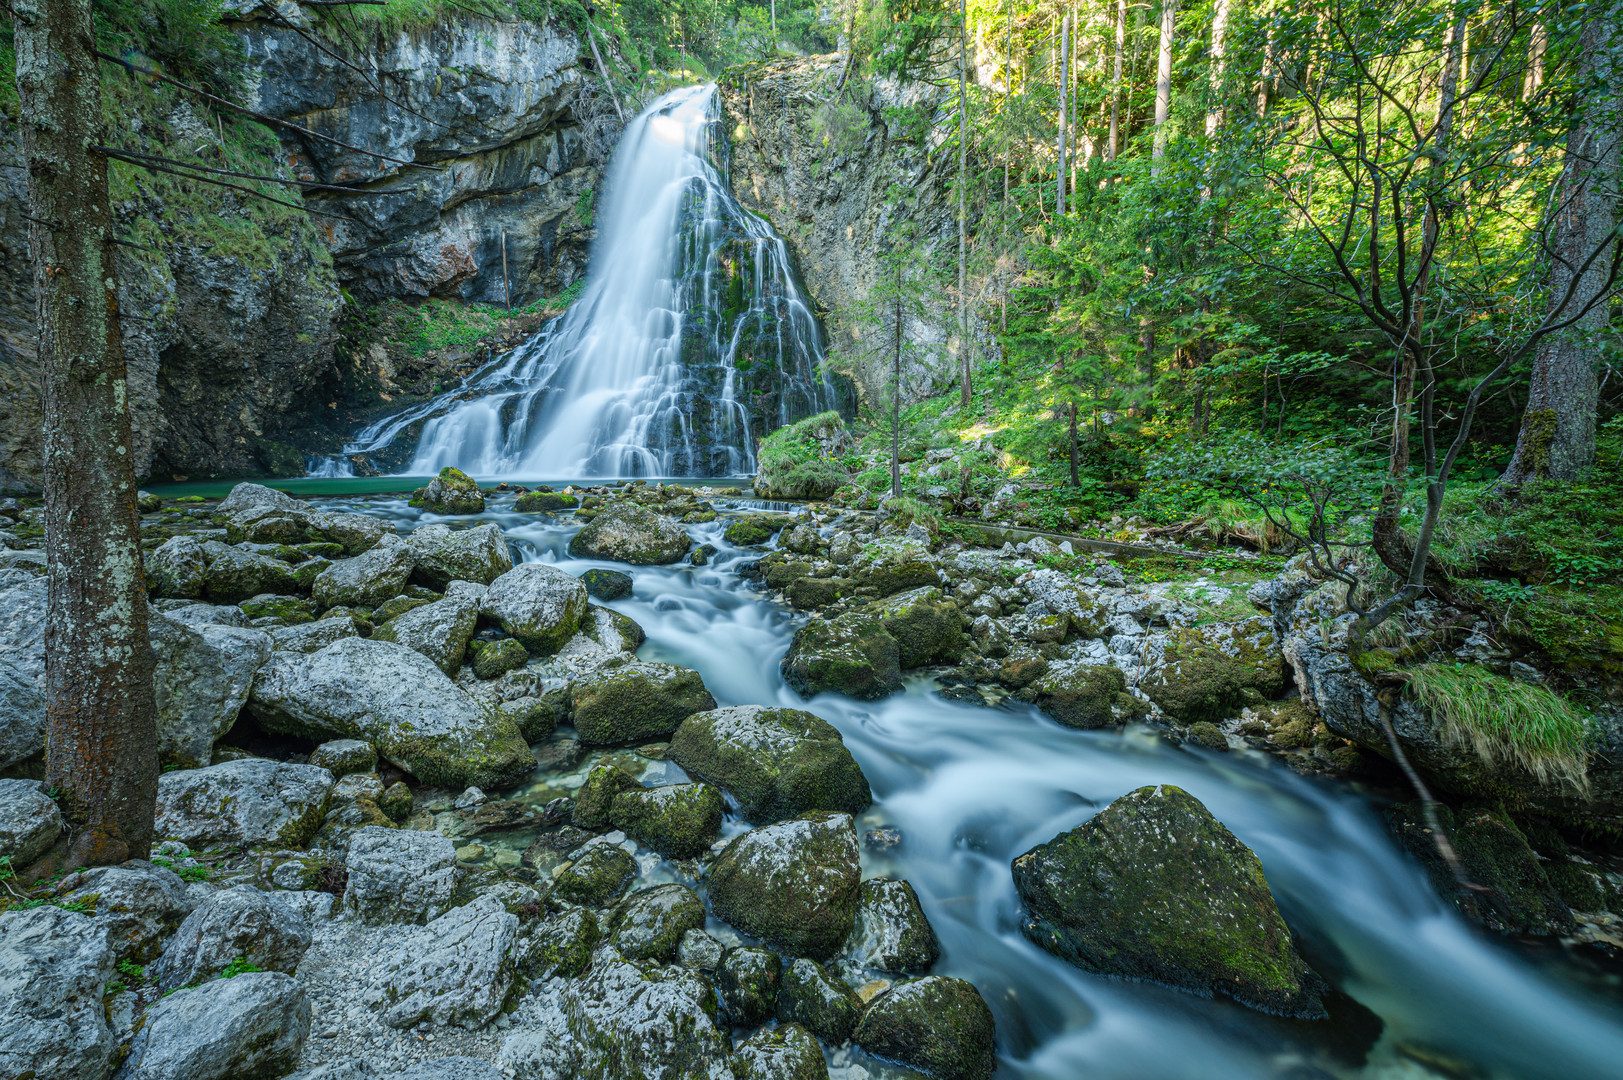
[637,702]
[939,1026]
[928,627]
[680,821]
[600,875]
[851,654]
[597,795]
[648,925]
[493,659]
[1085,696]
[824,1004]
[756,529]
[747,982]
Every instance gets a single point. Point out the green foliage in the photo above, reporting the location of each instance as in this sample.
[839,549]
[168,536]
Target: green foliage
[239,966]
[904,511]
[1506,721]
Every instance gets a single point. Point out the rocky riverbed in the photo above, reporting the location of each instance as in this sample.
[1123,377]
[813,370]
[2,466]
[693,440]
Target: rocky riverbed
[643,781]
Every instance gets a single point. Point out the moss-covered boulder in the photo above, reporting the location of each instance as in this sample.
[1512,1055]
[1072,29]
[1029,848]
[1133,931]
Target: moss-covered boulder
[606,584]
[626,532]
[778,763]
[809,593]
[597,795]
[794,884]
[648,925]
[344,757]
[371,578]
[825,1005]
[444,555]
[1205,673]
[891,932]
[451,492]
[890,566]
[560,945]
[493,659]
[178,568]
[637,702]
[756,529]
[1153,887]
[539,604]
[439,630]
[785,1052]
[680,821]
[235,574]
[928,627]
[938,1026]
[1085,696]
[545,502]
[747,982]
[599,875]
[851,654]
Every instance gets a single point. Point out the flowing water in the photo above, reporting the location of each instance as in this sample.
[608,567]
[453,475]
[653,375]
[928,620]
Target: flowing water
[970,788]
[692,336]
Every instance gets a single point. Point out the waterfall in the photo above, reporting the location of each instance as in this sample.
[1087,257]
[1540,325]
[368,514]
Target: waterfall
[691,334]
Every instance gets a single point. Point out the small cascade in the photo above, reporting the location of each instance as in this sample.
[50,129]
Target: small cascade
[691,338]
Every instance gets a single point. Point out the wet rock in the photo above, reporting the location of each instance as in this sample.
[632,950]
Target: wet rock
[235,575]
[1153,887]
[451,492]
[851,654]
[243,803]
[493,659]
[606,584]
[343,757]
[29,821]
[802,540]
[314,636]
[926,625]
[637,701]
[1085,696]
[599,875]
[240,922]
[891,933]
[544,502]
[936,1025]
[756,529]
[443,555]
[439,630]
[253,1025]
[1204,673]
[538,604]
[559,755]
[699,951]
[54,967]
[398,876]
[596,796]
[456,970]
[748,982]
[22,716]
[626,532]
[201,678]
[680,821]
[559,945]
[367,580]
[648,925]
[812,997]
[786,1052]
[778,763]
[397,700]
[1209,735]
[793,884]
[177,568]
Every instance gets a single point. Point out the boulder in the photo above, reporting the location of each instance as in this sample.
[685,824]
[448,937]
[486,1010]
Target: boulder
[851,654]
[456,970]
[22,716]
[699,951]
[368,579]
[1153,887]
[539,604]
[139,905]
[30,822]
[938,1026]
[626,532]
[894,565]
[559,945]
[778,763]
[440,630]
[201,677]
[596,796]
[314,636]
[54,967]
[398,876]
[802,540]
[240,922]
[397,700]
[178,568]
[443,555]
[599,874]
[680,821]
[794,884]
[544,502]
[493,659]
[198,616]
[891,933]
[245,803]
[248,1027]
[236,574]
[22,626]
[756,529]
[786,1052]
[748,984]
[635,702]
[824,1004]
[1053,593]
[928,627]
[1205,673]
[451,492]
[648,925]
[345,757]
[606,584]
[1082,695]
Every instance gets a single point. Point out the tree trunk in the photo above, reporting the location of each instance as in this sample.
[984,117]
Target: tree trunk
[1115,83]
[102,754]
[1557,438]
[963,201]
[1214,109]
[1060,82]
[1163,82]
[1076,481]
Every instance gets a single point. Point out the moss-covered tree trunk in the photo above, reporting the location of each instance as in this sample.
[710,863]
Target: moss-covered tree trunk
[102,753]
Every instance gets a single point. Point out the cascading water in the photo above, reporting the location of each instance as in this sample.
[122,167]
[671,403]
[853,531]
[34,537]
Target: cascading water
[691,336]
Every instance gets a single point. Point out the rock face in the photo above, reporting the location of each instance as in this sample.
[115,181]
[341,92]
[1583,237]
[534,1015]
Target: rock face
[851,654]
[249,1027]
[398,876]
[939,1026]
[1205,672]
[456,970]
[638,701]
[1154,887]
[627,532]
[248,802]
[367,580]
[794,884]
[238,922]
[778,763]
[539,604]
[29,821]
[54,967]
[397,700]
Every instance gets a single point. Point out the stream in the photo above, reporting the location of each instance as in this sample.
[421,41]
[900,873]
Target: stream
[1421,993]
